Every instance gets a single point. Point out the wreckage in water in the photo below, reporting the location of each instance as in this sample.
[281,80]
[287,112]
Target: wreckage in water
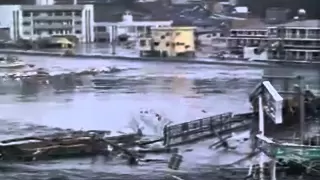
[284,114]
[63,145]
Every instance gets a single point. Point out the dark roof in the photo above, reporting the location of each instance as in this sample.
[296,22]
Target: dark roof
[17,2]
[111,12]
[310,23]
[181,14]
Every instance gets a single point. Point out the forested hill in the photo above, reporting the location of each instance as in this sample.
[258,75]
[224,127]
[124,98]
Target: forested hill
[258,7]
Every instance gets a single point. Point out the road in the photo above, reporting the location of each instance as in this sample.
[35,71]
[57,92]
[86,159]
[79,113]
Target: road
[179,91]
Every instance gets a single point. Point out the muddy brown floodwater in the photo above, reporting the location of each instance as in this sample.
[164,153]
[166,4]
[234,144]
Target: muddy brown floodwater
[178,91]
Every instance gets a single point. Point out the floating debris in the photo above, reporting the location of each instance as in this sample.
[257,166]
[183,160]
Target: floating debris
[34,80]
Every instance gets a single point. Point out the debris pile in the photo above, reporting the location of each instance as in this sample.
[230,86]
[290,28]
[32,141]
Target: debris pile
[34,80]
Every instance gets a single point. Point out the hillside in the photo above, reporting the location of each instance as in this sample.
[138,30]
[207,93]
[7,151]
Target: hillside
[258,7]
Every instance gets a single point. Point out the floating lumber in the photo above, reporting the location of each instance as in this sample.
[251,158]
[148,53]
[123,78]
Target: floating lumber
[204,128]
[63,145]
[58,72]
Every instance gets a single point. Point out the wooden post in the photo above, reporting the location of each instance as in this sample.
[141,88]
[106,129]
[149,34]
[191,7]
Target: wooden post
[273,167]
[261,131]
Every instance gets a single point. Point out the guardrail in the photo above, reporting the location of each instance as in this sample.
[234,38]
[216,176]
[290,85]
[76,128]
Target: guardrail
[201,129]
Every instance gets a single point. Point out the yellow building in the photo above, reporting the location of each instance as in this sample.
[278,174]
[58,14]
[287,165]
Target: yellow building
[168,42]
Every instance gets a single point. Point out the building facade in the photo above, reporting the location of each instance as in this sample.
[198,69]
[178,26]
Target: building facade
[128,26]
[297,40]
[246,37]
[169,42]
[36,21]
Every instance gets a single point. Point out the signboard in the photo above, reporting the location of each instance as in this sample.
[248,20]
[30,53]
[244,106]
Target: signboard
[289,151]
[272,102]
[302,154]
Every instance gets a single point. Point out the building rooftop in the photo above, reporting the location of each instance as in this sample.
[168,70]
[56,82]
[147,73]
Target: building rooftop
[112,12]
[51,7]
[252,23]
[311,23]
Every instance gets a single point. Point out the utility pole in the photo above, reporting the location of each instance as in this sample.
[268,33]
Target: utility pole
[301,108]
[114,32]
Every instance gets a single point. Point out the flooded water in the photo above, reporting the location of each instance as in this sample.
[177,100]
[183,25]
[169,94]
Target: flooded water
[178,91]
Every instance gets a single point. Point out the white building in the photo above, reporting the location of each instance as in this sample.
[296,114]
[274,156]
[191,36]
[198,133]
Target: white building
[34,21]
[128,26]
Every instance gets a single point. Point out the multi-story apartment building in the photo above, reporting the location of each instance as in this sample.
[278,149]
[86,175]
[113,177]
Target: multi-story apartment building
[35,21]
[298,40]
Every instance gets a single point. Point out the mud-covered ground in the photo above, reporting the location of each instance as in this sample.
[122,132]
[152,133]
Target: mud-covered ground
[178,91]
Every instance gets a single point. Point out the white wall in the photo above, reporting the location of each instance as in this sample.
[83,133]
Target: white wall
[82,37]
[86,23]
[6,20]
[45,2]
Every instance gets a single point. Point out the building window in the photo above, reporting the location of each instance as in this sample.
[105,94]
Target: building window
[143,43]
[178,33]
[78,13]
[26,14]
[36,32]
[187,46]
[156,43]
[35,13]
[100,29]
[68,13]
[179,44]
[26,23]
[141,28]
[58,13]
[78,31]
[163,37]
[50,32]
[131,29]
[26,32]
[168,34]
[167,44]
[78,22]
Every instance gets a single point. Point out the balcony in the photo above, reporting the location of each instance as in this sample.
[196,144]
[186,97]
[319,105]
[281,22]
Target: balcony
[78,18]
[313,36]
[53,26]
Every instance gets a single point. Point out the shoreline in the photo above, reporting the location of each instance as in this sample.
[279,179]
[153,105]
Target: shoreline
[205,61]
